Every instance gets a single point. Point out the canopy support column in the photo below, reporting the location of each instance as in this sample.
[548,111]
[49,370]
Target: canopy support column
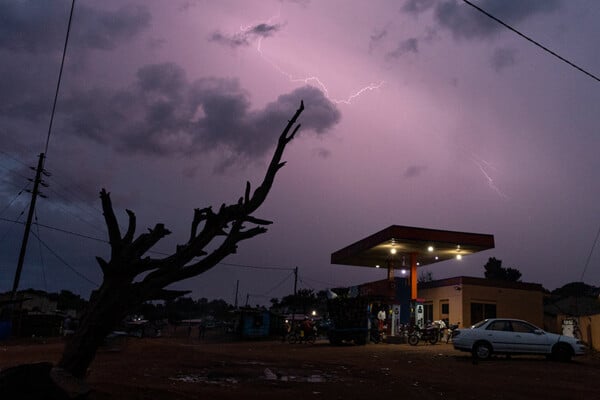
[413,276]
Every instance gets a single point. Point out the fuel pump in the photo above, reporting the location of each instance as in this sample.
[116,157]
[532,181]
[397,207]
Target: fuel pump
[417,313]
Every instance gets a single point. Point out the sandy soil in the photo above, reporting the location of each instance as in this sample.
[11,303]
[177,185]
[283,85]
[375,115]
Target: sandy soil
[183,368]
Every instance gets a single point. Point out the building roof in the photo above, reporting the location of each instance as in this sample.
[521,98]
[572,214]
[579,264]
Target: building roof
[429,246]
[473,281]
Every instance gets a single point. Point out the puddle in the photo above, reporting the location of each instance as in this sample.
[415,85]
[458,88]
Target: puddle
[192,378]
[268,374]
[289,376]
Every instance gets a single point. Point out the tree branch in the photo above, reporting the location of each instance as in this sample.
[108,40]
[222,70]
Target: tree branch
[126,255]
[114,234]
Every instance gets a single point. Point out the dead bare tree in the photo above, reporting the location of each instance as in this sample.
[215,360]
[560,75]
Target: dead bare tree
[129,278]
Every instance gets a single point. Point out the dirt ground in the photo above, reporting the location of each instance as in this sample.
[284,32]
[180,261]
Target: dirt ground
[188,368]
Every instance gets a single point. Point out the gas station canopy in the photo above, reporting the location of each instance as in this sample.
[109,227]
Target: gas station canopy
[400,246]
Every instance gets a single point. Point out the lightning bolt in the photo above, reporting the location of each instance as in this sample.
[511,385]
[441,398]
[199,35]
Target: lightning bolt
[482,164]
[309,80]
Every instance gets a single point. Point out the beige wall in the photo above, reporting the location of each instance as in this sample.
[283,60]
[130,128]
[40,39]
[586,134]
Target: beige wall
[589,326]
[442,294]
[590,330]
[510,302]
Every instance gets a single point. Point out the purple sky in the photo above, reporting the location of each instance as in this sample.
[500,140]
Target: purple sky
[419,113]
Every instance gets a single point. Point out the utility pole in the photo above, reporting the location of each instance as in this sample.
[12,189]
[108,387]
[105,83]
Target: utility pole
[247,298]
[295,299]
[34,194]
[237,287]
[295,279]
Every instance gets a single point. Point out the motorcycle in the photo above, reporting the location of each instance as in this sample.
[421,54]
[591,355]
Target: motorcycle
[300,336]
[429,334]
[450,332]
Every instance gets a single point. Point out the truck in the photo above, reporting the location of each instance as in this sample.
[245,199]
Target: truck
[349,320]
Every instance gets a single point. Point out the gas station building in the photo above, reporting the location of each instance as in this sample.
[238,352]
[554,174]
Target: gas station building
[401,250]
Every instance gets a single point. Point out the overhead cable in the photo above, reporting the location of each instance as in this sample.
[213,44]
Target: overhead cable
[532,41]
[62,64]
[65,262]
[590,255]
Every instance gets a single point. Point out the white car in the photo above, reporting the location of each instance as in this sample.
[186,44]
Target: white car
[514,336]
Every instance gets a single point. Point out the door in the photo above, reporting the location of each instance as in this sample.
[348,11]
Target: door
[530,339]
[499,334]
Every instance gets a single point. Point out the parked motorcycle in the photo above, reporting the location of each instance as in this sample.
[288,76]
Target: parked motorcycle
[450,332]
[430,334]
[300,336]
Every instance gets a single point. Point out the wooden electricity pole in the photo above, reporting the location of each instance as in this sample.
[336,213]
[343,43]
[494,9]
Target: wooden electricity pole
[34,194]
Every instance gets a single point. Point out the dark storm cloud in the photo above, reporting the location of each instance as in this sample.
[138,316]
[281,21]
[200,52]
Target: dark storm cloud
[105,29]
[245,37]
[163,113]
[503,58]
[32,35]
[40,26]
[235,40]
[417,6]
[410,45]
[465,22]
[264,30]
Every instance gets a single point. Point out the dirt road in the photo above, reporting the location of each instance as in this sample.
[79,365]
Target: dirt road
[181,368]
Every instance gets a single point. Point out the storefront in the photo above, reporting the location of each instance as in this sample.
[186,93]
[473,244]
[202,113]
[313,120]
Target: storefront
[405,249]
[466,300]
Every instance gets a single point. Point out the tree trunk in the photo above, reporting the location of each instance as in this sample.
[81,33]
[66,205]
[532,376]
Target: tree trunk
[108,306]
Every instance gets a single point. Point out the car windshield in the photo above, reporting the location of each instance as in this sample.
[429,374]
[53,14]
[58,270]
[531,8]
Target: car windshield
[478,325]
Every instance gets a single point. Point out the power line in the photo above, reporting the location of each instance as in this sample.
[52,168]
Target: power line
[14,172]
[59,230]
[41,256]
[14,159]
[10,227]
[327,284]
[532,41]
[278,285]
[15,198]
[59,77]
[280,268]
[76,215]
[65,262]
[259,267]
[590,255]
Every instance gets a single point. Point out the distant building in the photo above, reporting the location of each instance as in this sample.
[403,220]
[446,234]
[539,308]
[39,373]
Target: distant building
[467,300]
[35,314]
[31,300]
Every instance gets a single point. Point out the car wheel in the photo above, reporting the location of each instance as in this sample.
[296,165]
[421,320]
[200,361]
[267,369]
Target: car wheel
[562,352]
[413,340]
[482,350]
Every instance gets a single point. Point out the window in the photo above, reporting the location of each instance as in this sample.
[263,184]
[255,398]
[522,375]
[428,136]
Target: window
[428,312]
[522,327]
[481,311]
[445,308]
[499,326]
